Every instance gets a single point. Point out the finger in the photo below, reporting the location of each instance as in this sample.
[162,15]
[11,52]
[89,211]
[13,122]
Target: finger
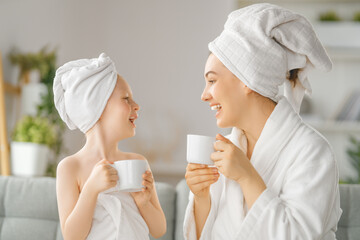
[147,174]
[114,177]
[199,172]
[220,146]
[148,185]
[217,156]
[104,161]
[202,185]
[149,180]
[222,138]
[193,166]
[218,164]
[200,179]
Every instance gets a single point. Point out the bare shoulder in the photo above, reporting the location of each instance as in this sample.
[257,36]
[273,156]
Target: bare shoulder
[69,166]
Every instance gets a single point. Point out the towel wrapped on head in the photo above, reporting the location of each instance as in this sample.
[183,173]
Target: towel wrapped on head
[82,89]
[261,43]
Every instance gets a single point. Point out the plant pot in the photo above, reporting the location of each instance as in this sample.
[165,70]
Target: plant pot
[29,159]
[31,97]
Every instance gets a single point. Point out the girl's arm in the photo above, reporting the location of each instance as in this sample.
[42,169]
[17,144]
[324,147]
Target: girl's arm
[149,207]
[76,209]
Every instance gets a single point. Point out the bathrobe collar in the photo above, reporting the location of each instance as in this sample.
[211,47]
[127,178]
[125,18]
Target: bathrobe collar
[278,129]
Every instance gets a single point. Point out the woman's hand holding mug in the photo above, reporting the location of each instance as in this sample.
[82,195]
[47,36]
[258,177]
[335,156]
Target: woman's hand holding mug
[199,177]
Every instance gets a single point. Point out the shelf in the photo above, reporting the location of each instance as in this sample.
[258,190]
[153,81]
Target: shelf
[336,127]
[241,2]
[342,34]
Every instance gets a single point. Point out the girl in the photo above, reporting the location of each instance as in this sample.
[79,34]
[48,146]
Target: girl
[91,96]
[276,177]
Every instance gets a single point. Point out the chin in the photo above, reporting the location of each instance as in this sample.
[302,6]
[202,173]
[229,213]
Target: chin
[222,124]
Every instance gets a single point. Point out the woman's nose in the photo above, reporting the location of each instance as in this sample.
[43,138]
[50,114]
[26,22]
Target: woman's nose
[205,96]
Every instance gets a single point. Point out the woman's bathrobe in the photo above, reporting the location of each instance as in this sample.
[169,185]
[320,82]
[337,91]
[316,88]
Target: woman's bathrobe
[301,200]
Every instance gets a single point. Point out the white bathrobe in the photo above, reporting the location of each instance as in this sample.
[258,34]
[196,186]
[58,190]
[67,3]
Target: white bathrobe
[117,217]
[302,196]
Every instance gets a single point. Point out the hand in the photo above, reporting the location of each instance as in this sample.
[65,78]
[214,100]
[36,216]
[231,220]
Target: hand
[102,177]
[230,160]
[142,198]
[199,177]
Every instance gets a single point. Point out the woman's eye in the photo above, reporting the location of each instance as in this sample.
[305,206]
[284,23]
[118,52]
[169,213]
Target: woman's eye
[126,98]
[211,81]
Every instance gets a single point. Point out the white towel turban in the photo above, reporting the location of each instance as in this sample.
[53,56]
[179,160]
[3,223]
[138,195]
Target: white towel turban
[261,43]
[82,89]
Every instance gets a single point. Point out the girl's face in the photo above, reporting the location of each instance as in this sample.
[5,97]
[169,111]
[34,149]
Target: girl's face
[225,93]
[120,112]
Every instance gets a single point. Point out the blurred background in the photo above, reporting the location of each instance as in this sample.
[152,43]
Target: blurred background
[160,48]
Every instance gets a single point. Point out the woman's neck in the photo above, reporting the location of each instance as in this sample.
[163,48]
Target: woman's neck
[255,122]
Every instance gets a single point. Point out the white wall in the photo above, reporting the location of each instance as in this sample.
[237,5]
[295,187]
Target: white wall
[160,47]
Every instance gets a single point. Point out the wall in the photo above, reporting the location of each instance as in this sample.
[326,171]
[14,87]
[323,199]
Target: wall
[160,47]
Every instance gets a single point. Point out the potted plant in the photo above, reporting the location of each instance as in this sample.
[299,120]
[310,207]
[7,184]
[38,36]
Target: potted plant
[32,89]
[336,33]
[356,17]
[47,109]
[329,16]
[32,140]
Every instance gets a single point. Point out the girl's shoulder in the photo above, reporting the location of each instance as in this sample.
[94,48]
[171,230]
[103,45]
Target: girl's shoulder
[69,166]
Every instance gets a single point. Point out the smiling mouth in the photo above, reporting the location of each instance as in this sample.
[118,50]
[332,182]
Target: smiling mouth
[216,107]
[132,120]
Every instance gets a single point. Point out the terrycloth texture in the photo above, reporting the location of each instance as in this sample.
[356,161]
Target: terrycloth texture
[117,217]
[261,43]
[302,196]
[82,89]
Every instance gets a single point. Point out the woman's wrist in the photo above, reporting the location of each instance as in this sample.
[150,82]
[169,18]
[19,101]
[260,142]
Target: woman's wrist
[251,177]
[202,200]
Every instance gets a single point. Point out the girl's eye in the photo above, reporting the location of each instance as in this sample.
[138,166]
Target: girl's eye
[126,98]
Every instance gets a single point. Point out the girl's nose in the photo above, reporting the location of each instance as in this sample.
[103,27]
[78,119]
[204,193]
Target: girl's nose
[136,106]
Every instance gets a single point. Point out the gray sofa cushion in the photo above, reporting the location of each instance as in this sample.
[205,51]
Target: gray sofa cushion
[182,198]
[167,195]
[28,209]
[349,224]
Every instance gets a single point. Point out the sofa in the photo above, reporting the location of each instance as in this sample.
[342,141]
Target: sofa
[28,209]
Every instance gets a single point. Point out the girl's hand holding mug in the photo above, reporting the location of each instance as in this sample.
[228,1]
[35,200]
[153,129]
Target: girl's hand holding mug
[103,176]
[143,197]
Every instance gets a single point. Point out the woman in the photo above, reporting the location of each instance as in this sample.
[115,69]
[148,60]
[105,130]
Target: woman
[91,96]
[277,177]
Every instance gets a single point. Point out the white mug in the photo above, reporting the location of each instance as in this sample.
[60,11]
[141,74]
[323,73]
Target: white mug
[130,174]
[199,149]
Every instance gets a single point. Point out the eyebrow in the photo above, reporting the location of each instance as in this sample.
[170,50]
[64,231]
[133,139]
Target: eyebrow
[209,72]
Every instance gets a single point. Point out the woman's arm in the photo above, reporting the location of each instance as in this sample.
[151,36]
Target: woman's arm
[76,209]
[199,179]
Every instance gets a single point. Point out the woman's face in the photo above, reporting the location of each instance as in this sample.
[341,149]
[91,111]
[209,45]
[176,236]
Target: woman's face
[225,93]
[121,111]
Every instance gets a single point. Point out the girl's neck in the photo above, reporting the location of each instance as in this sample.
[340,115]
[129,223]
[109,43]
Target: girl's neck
[100,145]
